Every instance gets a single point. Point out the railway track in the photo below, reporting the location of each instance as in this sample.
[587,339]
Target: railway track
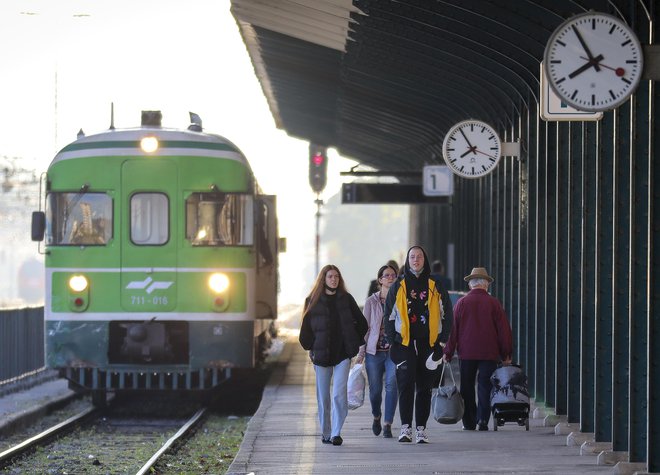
[95,442]
[136,432]
[44,437]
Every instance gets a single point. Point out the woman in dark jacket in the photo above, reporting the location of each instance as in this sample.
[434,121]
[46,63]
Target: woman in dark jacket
[333,329]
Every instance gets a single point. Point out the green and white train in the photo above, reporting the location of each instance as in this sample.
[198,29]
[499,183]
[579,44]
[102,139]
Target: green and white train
[161,260]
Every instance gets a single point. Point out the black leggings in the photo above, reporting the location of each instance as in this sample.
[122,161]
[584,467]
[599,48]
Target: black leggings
[414,381]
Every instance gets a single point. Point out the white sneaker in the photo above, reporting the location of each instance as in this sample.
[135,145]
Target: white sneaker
[406,433]
[420,435]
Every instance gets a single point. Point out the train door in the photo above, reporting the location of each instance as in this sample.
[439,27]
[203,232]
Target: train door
[267,278]
[149,235]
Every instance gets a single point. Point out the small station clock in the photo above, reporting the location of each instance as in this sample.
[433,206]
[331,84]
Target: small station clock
[472,149]
[593,61]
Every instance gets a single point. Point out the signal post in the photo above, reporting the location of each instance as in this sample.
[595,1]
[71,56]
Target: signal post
[318,178]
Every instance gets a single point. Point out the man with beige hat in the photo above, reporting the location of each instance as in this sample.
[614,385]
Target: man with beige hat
[481,335]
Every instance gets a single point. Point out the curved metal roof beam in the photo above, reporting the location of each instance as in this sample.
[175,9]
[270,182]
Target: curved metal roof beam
[486,107]
[513,15]
[485,31]
[443,120]
[373,20]
[546,9]
[413,75]
[486,59]
[433,69]
[409,157]
[396,91]
[392,134]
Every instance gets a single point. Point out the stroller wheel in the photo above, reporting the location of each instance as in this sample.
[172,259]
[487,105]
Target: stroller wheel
[527,424]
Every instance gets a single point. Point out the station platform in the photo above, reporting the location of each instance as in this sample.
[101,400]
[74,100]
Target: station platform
[283,437]
[24,405]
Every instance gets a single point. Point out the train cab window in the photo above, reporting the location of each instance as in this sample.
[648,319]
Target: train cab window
[220,219]
[149,219]
[78,219]
[263,243]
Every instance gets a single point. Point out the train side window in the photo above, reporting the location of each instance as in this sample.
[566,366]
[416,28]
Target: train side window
[78,219]
[220,219]
[149,219]
[262,235]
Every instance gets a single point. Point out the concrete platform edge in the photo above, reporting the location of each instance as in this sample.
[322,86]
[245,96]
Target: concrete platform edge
[29,416]
[242,459]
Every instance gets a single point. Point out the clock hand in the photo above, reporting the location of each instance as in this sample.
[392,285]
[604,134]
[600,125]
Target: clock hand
[469,150]
[592,60]
[484,153]
[618,71]
[466,139]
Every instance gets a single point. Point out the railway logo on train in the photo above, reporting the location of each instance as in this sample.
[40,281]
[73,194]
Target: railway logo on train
[161,257]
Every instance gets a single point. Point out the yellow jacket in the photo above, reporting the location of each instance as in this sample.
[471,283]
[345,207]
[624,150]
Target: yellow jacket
[400,313]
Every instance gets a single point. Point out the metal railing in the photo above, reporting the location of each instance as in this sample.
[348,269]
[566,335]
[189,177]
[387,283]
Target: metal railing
[21,341]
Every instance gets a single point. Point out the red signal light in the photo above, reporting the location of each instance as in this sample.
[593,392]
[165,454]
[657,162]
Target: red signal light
[318,167]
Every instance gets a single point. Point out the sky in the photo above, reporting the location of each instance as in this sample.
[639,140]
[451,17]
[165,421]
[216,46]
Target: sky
[65,61]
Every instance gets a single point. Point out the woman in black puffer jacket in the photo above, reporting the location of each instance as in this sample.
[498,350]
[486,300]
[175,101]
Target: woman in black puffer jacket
[333,329]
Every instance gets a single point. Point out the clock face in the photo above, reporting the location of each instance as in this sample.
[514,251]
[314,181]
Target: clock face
[471,149]
[593,61]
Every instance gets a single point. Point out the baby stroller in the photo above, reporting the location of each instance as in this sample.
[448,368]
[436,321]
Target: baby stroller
[509,399]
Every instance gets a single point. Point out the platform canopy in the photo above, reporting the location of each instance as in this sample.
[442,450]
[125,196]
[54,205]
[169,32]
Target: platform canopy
[383,80]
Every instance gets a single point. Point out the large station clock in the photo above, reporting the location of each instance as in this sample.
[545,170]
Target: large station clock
[471,149]
[593,61]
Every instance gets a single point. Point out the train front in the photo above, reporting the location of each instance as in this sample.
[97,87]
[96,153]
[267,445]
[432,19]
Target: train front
[161,260]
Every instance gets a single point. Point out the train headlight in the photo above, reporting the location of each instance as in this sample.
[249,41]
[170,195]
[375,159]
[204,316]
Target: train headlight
[78,283]
[78,293]
[149,144]
[219,282]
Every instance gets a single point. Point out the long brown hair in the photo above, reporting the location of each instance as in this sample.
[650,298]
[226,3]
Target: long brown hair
[319,286]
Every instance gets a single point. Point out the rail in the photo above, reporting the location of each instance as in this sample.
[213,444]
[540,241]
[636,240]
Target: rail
[180,433]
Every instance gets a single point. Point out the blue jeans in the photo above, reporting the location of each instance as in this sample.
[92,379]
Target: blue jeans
[378,365]
[332,416]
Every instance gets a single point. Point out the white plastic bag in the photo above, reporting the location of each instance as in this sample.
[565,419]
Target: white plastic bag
[356,386]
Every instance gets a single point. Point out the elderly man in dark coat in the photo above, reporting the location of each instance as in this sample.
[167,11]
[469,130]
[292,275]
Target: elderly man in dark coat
[481,335]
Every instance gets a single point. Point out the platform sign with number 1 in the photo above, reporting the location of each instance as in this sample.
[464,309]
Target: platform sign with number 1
[438,181]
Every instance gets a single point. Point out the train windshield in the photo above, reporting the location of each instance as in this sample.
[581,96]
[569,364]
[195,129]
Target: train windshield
[78,219]
[220,219]
[149,219]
